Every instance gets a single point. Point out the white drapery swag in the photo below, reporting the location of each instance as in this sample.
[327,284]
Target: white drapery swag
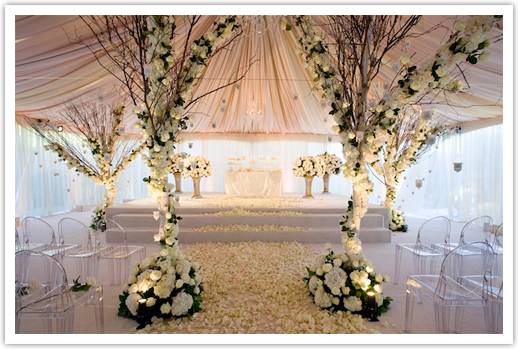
[474,191]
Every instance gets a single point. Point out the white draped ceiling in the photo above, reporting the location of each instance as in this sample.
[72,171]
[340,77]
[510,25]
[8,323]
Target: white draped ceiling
[274,97]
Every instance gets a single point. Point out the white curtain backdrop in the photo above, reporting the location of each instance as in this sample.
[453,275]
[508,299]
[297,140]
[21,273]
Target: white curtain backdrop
[46,186]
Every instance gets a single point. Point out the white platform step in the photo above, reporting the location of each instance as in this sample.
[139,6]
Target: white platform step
[321,224]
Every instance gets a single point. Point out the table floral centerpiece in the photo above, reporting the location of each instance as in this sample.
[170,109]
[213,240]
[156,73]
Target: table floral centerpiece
[177,167]
[332,165]
[308,167]
[197,167]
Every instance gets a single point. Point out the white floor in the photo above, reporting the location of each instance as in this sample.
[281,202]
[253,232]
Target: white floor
[382,254]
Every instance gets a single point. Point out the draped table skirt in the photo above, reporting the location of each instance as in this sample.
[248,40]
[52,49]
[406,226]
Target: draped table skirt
[254,183]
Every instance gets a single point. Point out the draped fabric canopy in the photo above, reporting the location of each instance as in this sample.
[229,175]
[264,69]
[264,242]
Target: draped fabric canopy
[275,96]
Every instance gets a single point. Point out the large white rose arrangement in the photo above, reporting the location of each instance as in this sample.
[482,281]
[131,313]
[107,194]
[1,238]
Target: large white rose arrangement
[308,166]
[331,163]
[197,166]
[347,282]
[162,286]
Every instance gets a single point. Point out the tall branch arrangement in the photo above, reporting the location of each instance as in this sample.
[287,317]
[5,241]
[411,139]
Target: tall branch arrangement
[158,69]
[413,134]
[434,81]
[346,75]
[98,128]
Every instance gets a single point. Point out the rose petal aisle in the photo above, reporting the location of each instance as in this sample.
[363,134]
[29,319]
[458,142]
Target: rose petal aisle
[257,287]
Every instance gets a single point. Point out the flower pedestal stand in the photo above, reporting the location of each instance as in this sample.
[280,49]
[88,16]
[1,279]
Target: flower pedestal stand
[309,182]
[177,182]
[326,184]
[196,184]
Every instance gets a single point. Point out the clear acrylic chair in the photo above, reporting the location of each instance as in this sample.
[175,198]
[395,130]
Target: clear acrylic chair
[475,230]
[120,257]
[44,296]
[423,251]
[82,259]
[37,234]
[450,295]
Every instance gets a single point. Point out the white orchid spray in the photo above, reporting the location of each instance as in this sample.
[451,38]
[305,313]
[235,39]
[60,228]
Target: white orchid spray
[96,127]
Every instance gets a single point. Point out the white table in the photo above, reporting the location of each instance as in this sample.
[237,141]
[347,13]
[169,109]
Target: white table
[254,182]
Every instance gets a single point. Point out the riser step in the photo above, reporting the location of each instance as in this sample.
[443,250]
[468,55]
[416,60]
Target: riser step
[132,221]
[306,236]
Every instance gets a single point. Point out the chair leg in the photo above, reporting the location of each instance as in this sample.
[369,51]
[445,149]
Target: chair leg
[397,264]
[409,310]
[442,318]
[99,315]
[459,314]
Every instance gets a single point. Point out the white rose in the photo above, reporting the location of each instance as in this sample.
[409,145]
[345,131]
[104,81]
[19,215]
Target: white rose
[165,308]
[133,288]
[326,268]
[155,275]
[132,303]
[150,302]
[337,262]
[179,283]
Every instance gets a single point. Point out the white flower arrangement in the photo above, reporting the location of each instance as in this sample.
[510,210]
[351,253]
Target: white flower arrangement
[197,166]
[306,166]
[347,282]
[331,163]
[162,286]
[177,162]
[397,221]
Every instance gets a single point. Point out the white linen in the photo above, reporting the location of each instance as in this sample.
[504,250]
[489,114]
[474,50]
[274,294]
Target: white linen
[256,182]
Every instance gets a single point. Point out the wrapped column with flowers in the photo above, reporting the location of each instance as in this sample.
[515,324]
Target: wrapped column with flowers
[98,128]
[159,74]
[361,44]
[177,164]
[308,167]
[332,165]
[197,167]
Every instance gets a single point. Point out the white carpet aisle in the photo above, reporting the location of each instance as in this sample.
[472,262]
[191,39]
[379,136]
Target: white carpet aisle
[382,254]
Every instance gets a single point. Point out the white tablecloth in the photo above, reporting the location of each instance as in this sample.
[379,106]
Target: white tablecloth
[254,183]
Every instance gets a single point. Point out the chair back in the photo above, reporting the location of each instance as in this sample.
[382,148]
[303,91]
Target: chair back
[477,229]
[113,222]
[434,230]
[72,231]
[17,240]
[37,230]
[450,267]
[38,276]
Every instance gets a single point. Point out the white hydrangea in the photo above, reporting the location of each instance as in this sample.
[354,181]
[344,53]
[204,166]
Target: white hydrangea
[335,278]
[181,304]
